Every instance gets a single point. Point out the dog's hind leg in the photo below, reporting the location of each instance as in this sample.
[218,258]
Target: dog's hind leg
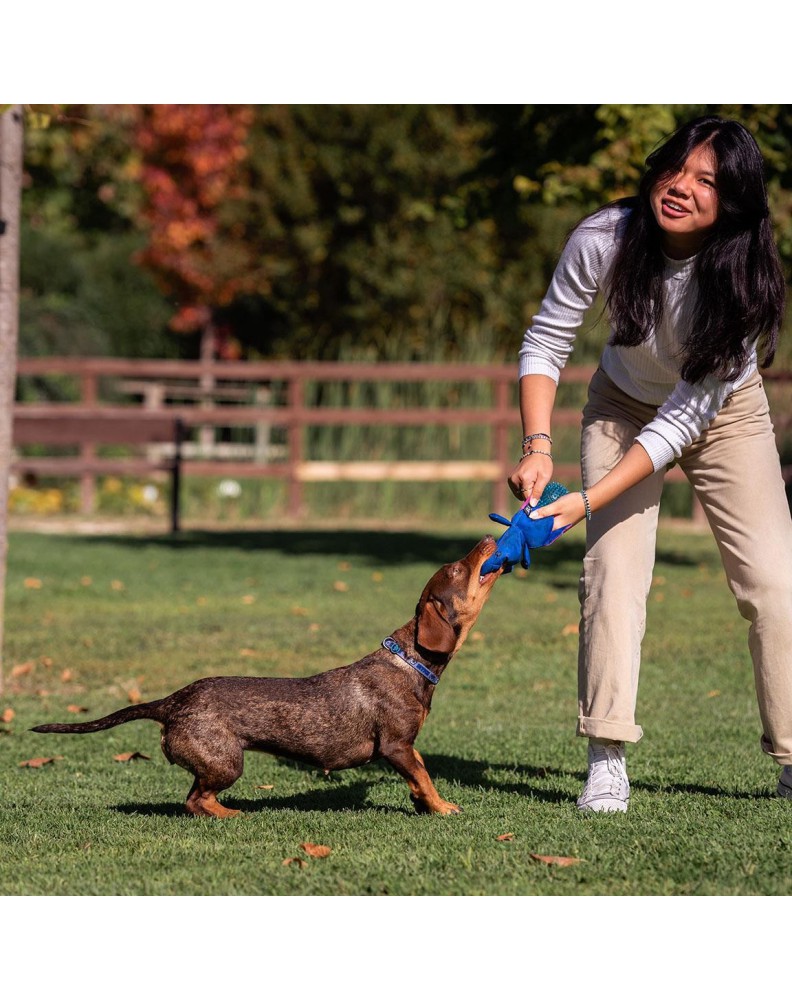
[214,771]
[409,763]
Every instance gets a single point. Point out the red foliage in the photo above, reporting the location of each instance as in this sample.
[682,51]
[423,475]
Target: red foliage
[190,168]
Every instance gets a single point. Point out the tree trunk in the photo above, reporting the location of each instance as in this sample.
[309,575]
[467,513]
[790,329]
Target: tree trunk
[10,196]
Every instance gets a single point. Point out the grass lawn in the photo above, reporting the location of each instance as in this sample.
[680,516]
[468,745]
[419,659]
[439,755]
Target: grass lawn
[94,621]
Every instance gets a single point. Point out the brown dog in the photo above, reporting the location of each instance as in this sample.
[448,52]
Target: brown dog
[371,709]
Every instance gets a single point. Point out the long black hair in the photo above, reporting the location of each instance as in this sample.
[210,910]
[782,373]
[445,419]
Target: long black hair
[741,286]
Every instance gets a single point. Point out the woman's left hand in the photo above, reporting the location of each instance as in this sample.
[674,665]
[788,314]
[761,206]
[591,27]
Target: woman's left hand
[566,511]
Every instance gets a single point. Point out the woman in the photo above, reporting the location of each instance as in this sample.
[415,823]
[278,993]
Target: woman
[695,293]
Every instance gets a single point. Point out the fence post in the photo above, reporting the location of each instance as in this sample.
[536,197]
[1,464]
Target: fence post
[501,434]
[295,437]
[176,472]
[89,395]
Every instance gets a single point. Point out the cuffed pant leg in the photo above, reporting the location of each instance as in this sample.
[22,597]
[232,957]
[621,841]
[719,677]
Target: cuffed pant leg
[735,470]
[617,570]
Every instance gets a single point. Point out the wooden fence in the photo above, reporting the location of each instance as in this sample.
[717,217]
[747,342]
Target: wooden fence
[170,412]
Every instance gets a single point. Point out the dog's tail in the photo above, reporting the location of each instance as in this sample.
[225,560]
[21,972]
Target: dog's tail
[150,710]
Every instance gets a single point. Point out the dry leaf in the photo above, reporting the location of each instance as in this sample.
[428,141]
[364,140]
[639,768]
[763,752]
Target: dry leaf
[477,637]
[134,696]
[202,601]
[553,859]
[133,755]
[86,581]
[314,627]
[344,566]
[377,577]
[315,850]
[505,836]
[713,694]
[298,611]
[117,585]
[22,668]
[573,629]
[76,709]
[8,715]
[46,661]
[43,693]
[38,761]
[66,676]
[300,862]
[32,583]
[341,586]
[248,652]
[265,787]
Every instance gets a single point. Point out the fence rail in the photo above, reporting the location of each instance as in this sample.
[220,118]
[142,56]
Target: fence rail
[172,410]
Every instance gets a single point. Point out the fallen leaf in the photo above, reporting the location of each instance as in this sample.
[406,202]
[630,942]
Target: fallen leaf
[66,676]
[659,597]
[117,585]
[76,709]
[300,862]
[477,637]
[298,611]
[377,577]
[32,583]
[249,599]
[38,761]
[42,693]
[134,696]
[266,787]
[572,629]
[505,836]
[22,668]
[314,627]
[344,566]
[133,755]
[713,694]
[551,597]
[248,652]
[86,581]
[315,850]
[553,859]
[46,661]
[8,715]
[340,585]
[202,601]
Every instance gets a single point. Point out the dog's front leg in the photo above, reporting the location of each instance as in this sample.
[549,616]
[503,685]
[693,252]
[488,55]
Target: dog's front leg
[409,763]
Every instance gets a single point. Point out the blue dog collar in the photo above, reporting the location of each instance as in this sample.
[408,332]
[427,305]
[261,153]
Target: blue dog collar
[393,647]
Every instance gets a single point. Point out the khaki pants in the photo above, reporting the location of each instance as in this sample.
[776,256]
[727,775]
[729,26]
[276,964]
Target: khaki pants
[735,471]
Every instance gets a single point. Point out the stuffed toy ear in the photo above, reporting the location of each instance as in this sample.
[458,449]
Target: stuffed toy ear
[434,631]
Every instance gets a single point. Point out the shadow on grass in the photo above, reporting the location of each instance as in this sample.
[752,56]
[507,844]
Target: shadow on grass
[379,547]
[352,797]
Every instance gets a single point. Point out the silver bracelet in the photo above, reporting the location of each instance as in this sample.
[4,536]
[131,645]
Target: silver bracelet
[535,451]
[534,437]
[586,504]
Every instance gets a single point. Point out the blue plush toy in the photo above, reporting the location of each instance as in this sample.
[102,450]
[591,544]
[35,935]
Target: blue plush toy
[523,534]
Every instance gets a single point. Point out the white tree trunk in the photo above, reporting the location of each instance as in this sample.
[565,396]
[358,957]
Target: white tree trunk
[10,196]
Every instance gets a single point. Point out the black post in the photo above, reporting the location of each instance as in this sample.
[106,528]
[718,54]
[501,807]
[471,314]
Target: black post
[178,437]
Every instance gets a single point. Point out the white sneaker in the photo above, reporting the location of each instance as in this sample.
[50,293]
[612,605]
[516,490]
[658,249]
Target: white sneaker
[607,788]
[785,782]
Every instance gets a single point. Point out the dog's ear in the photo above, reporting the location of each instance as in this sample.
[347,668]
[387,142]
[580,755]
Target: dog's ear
[434,631]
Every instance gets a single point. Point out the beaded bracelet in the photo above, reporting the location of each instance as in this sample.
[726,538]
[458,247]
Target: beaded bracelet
[586,504]
[535,451]
[533,437]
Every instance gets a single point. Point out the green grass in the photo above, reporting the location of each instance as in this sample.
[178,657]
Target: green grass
[152,613]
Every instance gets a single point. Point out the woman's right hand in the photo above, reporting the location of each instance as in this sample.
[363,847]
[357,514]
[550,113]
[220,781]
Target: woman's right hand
[530,476]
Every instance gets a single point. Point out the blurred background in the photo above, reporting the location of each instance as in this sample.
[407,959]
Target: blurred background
[223,239]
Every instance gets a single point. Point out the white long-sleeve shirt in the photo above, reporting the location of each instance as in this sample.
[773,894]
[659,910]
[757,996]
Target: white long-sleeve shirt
[649,372]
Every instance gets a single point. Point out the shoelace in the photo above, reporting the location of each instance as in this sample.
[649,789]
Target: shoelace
[610,756]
